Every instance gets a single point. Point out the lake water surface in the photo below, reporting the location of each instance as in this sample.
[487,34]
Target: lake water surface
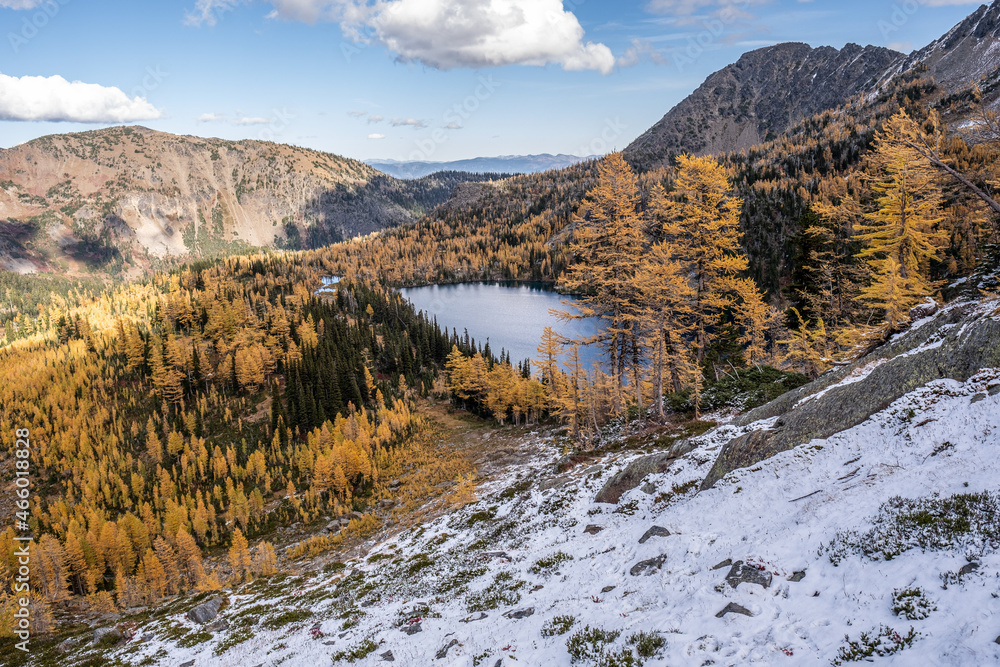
[511,316]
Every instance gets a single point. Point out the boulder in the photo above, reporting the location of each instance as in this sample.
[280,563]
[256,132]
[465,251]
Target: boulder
[477,617]
[520,613]
[388,657]
[593,529]
[636,471]
[102,634]
[733,608]
[968,568]
[648,567]
[208,610]
[725,563]
[443,651]
[959,352]
[741,573]
[977,398]
[655,531]
[607,589]
[797,576]
[218,625]
[412,628]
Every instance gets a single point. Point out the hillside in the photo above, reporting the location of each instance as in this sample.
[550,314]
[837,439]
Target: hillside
[120,197]
[880,537]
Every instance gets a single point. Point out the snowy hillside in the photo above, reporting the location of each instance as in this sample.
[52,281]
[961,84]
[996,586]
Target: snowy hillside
[514,578]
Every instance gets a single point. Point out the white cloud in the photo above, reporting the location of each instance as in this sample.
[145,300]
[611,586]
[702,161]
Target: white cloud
[453,126]
[902,47]
[689,7]
[375,118]
[447,34]
[640,50]
[38,98]
[209,118]
[20,4]
[408,122]
[356,114]
[376,136]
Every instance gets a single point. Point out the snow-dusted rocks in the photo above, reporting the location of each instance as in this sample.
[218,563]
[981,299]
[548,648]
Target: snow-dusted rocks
[733,608]
[742,573]
[647,567]
[208,610]
[654,531]
[593,529]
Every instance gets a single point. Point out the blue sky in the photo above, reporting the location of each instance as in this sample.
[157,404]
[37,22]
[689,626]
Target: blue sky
[404,79]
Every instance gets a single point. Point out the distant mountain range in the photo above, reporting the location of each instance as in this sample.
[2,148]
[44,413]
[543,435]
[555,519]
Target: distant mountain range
[503,164]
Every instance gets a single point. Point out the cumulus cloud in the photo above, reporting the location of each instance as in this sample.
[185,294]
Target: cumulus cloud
[408,122]
[448,34]
[375,118]
[20,4]
[376,136]
[39,98]
[356,114]
[453,126]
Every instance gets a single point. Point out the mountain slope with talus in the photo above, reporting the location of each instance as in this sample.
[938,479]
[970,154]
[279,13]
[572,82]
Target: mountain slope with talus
[128,195]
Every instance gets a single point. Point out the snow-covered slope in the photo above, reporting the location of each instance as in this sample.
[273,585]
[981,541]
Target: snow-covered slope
[464,585]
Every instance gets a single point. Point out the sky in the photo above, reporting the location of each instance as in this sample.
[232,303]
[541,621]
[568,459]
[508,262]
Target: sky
[428,80]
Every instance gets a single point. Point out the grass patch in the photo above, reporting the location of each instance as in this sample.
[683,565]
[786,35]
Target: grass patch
[966,521]
[503,591]
[549,564]
[558,625]
[287,617]
[357,652]
[912,604]
[882,642]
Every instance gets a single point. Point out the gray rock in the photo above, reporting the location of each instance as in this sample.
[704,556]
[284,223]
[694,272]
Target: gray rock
[997,640]
[443,652]
[648,567]
[725,563]
[593,529]
[977,398]
[922,310]
[741,573]
[498,663]
[388,657]
[968,568]
[554,483]
[207,611]
[472,619]
[496,554]
[101,634]
[218,625]
[68,645]
[536,587]
[520,613]
[412,629]
[994,390]
[189,663]
[734,608]
[636,471]
[964,349]
[607,589]
[655,531]
[797,576]
[648,488]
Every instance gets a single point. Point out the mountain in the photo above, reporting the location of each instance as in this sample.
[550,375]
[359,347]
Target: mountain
[968,54]
[125,196]
[758,97]
[504,164]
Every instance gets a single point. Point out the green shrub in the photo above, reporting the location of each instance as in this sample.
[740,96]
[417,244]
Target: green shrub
[549,564]
[647,644]
[503,591]
[912,604]
[588,645]
[558,625]
[355,653]
[882,642]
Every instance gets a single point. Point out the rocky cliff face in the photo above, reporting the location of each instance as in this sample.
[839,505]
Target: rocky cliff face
[966,55]
[132,194]
[758,97]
